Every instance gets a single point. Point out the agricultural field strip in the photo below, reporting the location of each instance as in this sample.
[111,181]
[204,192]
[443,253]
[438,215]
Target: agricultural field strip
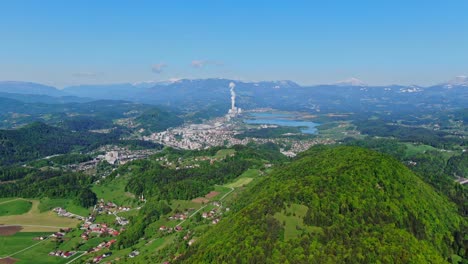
[224,196]
[24,249]
[36,226]
[201,208]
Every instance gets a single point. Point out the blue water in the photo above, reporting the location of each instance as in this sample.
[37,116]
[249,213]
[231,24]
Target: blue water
[281,119]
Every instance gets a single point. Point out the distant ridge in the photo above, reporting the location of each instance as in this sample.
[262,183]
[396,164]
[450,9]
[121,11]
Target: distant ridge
[457,81]
[351,82]
[29,88]
[212,95]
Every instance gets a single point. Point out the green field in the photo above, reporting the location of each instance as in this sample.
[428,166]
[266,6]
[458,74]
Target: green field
[106,218]
[2,200]
[412,149]
[239,183]
[72,240]
[244,179]
[128,213]
[17,242]
[47,204]
[222,153]
[292,220]
[39,254]
[15,207]
[222,191]
[115,192]
[35,221]
[182,205]
[337,130]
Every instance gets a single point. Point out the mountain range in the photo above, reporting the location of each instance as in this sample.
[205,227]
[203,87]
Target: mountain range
[350,95]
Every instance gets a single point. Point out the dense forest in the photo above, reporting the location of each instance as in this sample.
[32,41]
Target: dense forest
[38,140]
[433,138]
[155,120]
[162,183]
[36,183]
[433,167]
[337,205]
[150,178]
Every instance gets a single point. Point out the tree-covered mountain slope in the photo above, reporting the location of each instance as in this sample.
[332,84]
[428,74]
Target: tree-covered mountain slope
[337,205]
[155,120]
[38,140]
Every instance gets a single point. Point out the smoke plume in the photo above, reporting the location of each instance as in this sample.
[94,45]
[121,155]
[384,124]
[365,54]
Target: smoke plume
[233,94]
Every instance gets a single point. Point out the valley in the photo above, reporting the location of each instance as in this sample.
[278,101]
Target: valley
[246,132]
[134,183]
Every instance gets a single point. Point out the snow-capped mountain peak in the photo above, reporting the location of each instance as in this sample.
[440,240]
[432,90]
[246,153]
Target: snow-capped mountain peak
[459,80]
[149,84]
[351,82]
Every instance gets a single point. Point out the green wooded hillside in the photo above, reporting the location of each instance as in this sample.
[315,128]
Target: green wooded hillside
[337,205]
[37,140]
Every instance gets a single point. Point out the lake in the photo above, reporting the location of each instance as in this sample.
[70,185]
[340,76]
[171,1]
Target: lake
[281,119]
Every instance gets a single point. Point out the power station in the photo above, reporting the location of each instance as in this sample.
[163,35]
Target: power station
[233,111]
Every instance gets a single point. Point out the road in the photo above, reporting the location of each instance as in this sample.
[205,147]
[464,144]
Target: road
[462,180]
[9,201]
[83,253]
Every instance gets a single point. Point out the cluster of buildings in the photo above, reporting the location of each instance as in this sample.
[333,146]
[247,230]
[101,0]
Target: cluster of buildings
[58,235]
[62,212]
[63,254]
[97,259]
[109,207]
[102,245]
[113,155]
[215,132]
[120,155]
[168,230]
[98,229]
[179,216]
[219,132]
[298,146]
[187,238]
[214,215]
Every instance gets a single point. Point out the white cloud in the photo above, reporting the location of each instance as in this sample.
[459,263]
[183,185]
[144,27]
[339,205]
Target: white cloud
[203,63]
[158,68]
[198,63]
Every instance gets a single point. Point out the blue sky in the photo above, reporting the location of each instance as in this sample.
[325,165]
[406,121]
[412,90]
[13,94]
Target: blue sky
[380,42]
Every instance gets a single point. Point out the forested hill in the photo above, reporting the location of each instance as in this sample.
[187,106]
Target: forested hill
[337,205]
[155,120]
[38,140]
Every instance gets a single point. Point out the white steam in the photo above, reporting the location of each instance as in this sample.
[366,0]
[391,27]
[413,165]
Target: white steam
[233,95]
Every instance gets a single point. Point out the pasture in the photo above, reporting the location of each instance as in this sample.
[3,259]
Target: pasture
[35,221]
[292,220]
[14,207]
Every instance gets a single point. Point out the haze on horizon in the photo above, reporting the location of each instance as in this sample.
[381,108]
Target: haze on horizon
[87,42]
